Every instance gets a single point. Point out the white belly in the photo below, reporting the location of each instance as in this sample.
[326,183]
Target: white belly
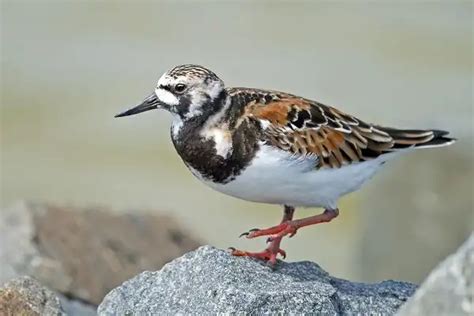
[276,177]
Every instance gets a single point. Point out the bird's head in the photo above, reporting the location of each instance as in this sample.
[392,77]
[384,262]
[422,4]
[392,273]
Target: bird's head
[185,91]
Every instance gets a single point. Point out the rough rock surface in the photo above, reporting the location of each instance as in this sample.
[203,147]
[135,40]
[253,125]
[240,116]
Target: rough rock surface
[210,281]
[26,296]
[449,289]
[84,253]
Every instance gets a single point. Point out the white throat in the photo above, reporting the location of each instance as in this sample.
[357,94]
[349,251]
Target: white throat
[176,126]
[219,132]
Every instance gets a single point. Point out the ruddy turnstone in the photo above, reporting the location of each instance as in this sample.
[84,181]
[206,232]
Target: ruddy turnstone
[274,147]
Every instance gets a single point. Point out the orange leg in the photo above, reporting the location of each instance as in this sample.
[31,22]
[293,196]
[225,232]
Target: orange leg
[273,249]
[288,226]
[291,226]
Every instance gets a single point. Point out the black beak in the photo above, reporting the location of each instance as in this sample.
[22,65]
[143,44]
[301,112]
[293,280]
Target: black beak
[150,103]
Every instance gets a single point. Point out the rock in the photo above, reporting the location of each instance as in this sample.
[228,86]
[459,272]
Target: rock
[449,289]
[26,296]
[211,281]
[84,253]
[73,307]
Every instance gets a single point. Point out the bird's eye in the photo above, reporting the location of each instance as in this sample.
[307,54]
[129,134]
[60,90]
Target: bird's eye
[180,87]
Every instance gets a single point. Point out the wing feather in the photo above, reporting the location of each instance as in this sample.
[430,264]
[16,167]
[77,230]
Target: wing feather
[305,127]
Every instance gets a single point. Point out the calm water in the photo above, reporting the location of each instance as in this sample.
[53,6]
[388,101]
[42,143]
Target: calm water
[67,68]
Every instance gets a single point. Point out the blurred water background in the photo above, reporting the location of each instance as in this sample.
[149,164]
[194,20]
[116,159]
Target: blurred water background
[68,67]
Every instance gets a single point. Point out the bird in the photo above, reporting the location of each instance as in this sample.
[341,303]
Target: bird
[274,147]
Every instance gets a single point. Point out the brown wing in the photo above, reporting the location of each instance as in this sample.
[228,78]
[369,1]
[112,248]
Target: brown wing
[305,127]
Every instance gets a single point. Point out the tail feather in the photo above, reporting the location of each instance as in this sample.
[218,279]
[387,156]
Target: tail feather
[418,138]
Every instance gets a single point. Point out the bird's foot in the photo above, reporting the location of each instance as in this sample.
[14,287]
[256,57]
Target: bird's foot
[269,254]
[279,231]
[289,227]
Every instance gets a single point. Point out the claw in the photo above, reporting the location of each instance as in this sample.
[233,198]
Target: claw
[247,233]
[269,239]
[237,253]
[282,253]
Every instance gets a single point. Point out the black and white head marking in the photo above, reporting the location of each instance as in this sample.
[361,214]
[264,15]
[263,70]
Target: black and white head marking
[185,90]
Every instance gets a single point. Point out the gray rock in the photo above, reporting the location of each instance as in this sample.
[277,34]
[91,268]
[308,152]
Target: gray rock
[73,307]
[449,289]
[26,296]
[84,253]
[210,281]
